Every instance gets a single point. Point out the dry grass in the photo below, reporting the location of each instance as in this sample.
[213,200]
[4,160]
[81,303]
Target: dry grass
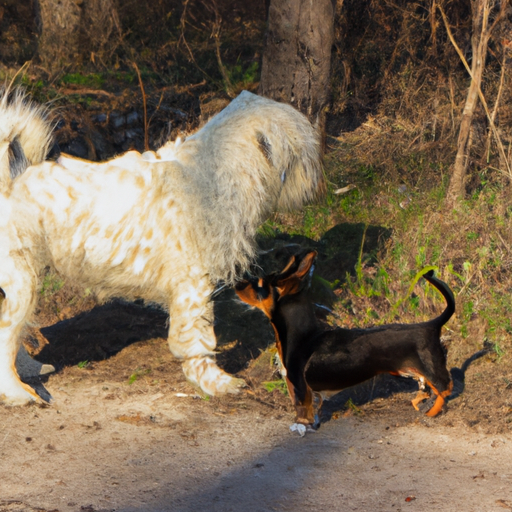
[399,156]
[471,247]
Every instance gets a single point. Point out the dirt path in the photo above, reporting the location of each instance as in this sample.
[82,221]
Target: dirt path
[109,445]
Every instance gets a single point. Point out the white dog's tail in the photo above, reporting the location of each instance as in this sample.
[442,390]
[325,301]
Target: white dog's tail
[25,135]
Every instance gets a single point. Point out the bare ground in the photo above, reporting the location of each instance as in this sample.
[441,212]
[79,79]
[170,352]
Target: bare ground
[126,432]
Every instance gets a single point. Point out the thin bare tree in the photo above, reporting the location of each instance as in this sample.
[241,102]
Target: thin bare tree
[481,10]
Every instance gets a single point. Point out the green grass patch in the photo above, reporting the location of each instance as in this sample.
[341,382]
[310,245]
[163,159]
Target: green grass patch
[51,284]
[137,374]
[93,80]
[279,384]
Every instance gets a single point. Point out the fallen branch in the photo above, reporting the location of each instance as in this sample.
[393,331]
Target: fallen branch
[87,92]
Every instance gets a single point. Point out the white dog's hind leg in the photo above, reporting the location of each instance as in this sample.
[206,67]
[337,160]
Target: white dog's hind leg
[17,298]
[12,390]
[191,337]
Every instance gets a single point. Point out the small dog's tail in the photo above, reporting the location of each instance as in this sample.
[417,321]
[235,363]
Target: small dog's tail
[447,294]
[25,135]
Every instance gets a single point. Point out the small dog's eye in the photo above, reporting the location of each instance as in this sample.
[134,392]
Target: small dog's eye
[263,292]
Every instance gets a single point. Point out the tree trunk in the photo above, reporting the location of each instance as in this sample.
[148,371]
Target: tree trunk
[76,30]
[100,31]
[58,42]
[297,57]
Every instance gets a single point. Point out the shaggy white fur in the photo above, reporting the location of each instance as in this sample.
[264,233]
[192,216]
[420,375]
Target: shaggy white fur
[25,135]
[165,227]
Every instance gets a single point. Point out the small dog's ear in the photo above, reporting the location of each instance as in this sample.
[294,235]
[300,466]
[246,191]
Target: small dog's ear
[289,265]
[291,283]
[246,292]
[306,264]
[287,271]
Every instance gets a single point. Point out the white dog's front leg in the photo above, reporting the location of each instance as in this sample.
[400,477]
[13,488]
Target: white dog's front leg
[191,337]
[203,372]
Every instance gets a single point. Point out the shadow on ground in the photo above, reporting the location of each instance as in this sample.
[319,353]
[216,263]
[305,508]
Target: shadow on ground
[101,333]
[242,333]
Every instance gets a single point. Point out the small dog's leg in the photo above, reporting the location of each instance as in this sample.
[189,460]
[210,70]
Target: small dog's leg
[306,409]
[422,395]
[437,407]
[191,337]
[438,404]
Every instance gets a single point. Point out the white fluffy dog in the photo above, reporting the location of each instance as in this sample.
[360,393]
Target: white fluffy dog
[165,227]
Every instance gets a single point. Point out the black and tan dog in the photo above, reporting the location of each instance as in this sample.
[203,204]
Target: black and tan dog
[317,359]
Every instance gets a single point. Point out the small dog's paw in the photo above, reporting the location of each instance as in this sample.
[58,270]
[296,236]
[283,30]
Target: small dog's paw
[301,429]
[426,404]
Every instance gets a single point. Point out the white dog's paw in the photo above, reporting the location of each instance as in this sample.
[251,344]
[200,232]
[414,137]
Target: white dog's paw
[15,392]
[231,386]
[18,396]
[204,372]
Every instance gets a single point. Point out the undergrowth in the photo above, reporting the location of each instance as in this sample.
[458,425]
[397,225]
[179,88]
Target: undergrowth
[470,249]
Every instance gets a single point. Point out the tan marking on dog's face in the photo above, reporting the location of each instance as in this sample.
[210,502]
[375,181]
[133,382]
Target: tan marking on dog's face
[258,295]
